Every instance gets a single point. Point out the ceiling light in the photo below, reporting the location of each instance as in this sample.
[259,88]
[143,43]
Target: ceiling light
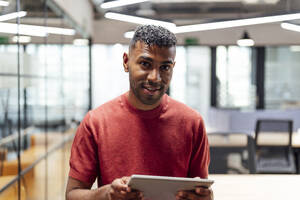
[58,31]
[118,3]
[12,16]
[146,12]
[260,1]
[290,27]
[21,39]
[118,47]
[236,23]
[4,3]
[33,30]
[129,34]
[138,20]
[295,49]
[250,1]
[245,41]
[81,42]
[194,1]
[218,1]
[13,29]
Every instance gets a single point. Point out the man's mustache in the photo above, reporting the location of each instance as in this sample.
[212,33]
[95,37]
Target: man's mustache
[152,84]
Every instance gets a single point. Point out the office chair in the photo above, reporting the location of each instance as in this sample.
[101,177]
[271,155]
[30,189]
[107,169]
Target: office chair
[273,146]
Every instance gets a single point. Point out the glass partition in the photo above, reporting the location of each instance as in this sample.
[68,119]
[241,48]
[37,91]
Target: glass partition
[109,78]
[44,93]
[282,86]
[235,84]
[197,83]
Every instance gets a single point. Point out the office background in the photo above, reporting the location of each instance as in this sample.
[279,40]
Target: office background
[49,78]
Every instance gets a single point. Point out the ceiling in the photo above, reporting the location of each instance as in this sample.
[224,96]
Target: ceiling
[190,12]
[184,12]
[180,12]
[34,8]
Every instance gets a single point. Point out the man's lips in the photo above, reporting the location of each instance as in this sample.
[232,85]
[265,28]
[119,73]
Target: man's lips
[151,88]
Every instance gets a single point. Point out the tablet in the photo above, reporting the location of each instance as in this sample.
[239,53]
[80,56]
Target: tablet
[165,187]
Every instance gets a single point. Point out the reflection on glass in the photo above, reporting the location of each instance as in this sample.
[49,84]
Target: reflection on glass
[53,94]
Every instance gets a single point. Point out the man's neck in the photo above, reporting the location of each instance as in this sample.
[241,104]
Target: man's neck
[135,102]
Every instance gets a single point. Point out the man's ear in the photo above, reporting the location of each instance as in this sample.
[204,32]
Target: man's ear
[125,62]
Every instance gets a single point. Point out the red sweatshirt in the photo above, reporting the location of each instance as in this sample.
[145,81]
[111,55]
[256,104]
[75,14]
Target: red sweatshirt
[117,140]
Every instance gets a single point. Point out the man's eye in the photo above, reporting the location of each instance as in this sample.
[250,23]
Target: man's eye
[165,67]
[145,64]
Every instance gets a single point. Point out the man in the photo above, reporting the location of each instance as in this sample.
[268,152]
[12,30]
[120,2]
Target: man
[143,131]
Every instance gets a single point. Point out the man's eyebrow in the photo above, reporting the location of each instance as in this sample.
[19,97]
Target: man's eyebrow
[167,62]
[146,58]
[151,60]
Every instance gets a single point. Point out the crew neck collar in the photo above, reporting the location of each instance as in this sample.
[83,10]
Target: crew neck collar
[161,108]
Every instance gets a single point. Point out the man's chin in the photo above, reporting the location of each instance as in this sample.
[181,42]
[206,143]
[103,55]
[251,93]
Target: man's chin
[150,99]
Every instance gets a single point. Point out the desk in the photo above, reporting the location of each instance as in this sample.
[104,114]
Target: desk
[279,138]
[227,140]
[222,144]
[240,139]
[256,187]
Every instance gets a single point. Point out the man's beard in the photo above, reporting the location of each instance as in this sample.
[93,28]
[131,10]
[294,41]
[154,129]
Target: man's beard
[138,87]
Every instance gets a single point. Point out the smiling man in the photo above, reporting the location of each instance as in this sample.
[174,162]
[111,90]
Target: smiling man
[143,131]
[150,70]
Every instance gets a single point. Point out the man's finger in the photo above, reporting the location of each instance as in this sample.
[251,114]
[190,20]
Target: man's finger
[114,194]
[139,197]
[188,195]
[193,195]
[134,195]
[203,191]
[125,179]
[118,185]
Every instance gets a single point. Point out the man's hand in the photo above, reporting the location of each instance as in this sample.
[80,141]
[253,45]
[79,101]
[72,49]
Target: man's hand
[119,190]
[200,193]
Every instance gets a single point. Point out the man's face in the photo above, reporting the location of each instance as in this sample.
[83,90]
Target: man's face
[150,71]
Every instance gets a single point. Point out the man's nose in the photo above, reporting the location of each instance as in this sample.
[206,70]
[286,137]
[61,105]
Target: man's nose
[154,75]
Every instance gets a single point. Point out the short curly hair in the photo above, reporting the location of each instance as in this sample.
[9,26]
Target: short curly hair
[153,35]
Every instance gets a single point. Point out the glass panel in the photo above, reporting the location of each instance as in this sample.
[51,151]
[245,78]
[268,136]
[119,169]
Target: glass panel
[198,79]
[54,85]
[282,86]
[33,101]
[235,88]
[109,78]
[76,81]
[8,105]
[178,83]
[8,59]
